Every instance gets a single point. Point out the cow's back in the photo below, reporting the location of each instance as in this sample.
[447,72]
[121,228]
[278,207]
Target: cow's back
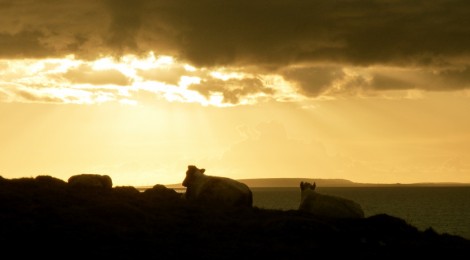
[224,191]
[331,206]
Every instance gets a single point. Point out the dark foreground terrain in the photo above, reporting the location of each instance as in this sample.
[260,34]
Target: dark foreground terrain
[47,217]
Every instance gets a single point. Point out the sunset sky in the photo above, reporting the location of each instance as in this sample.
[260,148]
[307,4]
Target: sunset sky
[370,91]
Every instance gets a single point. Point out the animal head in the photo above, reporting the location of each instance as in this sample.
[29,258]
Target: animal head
[307,186]
[191,174]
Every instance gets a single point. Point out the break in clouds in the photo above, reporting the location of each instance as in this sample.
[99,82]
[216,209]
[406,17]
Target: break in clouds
[318,47]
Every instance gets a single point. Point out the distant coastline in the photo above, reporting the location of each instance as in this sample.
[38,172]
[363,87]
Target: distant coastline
[294,182]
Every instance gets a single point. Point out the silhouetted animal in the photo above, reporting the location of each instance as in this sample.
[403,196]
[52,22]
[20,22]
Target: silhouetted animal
[91,180]
[327,205]
[215,190]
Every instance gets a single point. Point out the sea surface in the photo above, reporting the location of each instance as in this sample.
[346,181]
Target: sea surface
[444,209]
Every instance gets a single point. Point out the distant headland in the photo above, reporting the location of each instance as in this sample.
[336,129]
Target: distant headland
[294,182]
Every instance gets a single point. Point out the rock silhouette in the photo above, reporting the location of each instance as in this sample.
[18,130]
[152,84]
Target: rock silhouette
[91,180]
[48,217]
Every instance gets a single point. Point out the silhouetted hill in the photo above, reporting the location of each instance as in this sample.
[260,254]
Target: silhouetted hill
[45,217]
[294,182]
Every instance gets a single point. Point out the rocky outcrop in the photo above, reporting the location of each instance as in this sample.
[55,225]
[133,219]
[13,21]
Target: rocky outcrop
[91,180]
[46,217]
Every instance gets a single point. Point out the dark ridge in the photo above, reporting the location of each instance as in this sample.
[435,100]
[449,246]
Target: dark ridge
[47,217]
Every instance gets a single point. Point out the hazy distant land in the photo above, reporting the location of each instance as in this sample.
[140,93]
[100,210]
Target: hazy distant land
[294,182]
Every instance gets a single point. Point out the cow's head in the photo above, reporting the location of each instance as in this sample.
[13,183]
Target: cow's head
[306,185]
[192,173]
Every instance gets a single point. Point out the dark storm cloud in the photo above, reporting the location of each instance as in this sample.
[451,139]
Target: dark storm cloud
[313,81]
[25,44]
[457,78]
[386,82]
[256,33]
[212,32]
[281,32]
[125,24]
[424,78]
[32,29]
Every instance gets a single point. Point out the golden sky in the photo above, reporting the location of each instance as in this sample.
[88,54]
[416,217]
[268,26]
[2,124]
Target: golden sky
[369,91]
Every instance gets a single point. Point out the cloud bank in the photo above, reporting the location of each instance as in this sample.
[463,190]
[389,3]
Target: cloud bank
[322,47]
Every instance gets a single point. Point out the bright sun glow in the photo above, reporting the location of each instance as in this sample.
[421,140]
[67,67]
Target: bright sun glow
[107,79]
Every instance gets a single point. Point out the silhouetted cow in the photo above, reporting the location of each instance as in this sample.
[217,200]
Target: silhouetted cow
[215,190]
[327,205]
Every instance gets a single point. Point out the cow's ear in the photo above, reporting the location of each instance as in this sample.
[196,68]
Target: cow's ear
[202,170]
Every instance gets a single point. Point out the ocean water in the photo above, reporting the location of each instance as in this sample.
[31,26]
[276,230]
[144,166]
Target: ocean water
[444,209]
